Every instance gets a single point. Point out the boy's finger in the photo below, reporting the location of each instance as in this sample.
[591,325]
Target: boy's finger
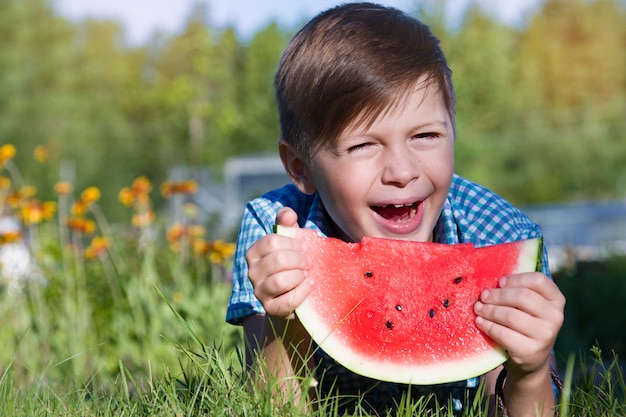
[284,304]
[274,243]
[535,281]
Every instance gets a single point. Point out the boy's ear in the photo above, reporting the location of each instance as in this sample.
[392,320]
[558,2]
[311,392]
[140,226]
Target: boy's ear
[296,167]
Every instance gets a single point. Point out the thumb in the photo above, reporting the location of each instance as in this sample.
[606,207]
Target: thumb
[287,217]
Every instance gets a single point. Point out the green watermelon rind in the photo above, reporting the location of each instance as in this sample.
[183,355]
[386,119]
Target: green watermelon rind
[284,230]
[416,374]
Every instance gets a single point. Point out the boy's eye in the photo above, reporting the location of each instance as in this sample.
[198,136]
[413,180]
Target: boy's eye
[358,147]
[427,135]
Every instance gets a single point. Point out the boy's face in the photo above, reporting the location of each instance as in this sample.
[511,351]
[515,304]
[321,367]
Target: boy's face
[391,179]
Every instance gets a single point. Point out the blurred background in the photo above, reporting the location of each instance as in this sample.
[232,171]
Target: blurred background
[93,93]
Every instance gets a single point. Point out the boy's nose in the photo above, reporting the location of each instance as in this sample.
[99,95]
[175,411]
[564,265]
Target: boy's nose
[401,167]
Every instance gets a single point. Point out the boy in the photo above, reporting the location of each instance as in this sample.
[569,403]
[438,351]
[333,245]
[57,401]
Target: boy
[367,117]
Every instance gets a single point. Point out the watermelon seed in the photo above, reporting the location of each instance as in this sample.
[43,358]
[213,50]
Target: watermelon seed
[399,307]
[389,324]
[431,313]
[446,303]
[369,274]
[458,280]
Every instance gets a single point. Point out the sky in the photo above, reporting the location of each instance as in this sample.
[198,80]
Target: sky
[141,18]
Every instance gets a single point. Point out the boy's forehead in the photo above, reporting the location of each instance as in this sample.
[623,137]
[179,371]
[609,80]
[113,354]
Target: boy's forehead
[426,87]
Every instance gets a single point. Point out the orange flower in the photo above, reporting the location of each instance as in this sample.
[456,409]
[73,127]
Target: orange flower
[62,188]
[202,247]
[168,188]
[10,237]
[79,208]
[16,199]
[7,152]
[142,185]
[137,193]
[126,196]
[81,225]
[97,248]
[177,233]
[34,211]
[41,153]
[143,219]
[222,251]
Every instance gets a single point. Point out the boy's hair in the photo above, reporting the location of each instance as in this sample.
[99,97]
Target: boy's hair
[356,60]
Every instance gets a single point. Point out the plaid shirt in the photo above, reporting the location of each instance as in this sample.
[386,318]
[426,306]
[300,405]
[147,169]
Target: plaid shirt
[471,214]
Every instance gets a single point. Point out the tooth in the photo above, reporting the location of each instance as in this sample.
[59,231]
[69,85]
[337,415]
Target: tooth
[398,205]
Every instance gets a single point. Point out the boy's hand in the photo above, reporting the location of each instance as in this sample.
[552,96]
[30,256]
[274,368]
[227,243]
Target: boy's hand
[277,269]
[524,315]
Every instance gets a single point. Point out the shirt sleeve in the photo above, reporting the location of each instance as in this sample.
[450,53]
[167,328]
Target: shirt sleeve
[258,220]
[242,301]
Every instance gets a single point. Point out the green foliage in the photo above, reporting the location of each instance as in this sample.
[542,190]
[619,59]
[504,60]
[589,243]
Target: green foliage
[595,292]
[540,106]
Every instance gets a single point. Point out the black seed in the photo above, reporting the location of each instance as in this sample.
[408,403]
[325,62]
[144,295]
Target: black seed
[446,303]
[457,280]
[431,313]
[399,307]
[369,274]
[389,324]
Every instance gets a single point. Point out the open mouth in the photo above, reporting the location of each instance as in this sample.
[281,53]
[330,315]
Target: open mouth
[401,213]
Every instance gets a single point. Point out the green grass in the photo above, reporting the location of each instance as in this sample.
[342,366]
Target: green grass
[196,376]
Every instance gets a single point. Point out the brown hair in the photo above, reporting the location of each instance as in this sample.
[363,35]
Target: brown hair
[354,60]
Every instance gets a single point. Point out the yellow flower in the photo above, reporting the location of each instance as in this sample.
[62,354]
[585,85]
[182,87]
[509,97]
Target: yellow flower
[5,183]
[190,210]
[178,297]
[7,152]
[97,248]
[90,196]
[41,153]
[34,211]
[87,198]
[168,188]
[28,191]
[62,188]
[222,251]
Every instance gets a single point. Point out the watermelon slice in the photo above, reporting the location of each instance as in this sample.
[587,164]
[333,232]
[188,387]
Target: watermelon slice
[403,311]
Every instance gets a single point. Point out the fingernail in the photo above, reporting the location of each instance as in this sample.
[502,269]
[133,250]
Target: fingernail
[478,306]
[503,281]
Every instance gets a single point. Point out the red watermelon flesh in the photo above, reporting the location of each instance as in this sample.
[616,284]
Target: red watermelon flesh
[403,311]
